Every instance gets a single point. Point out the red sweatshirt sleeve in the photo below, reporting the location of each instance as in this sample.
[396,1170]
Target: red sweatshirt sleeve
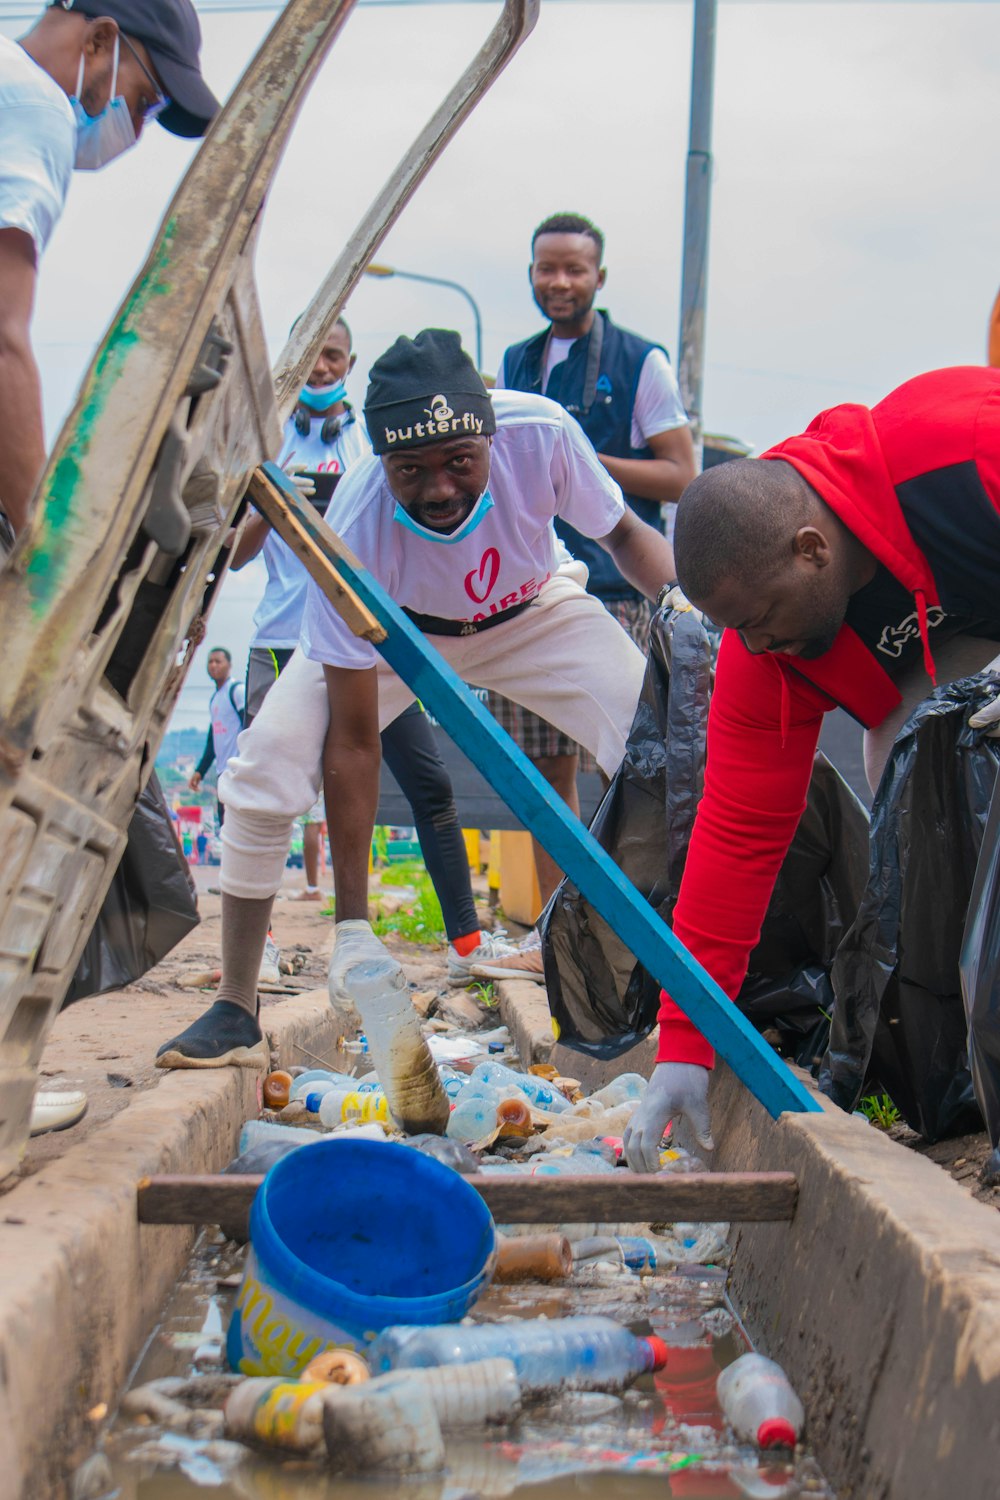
[756,782]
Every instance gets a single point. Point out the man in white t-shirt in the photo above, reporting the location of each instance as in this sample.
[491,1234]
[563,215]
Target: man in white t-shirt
[622,390]
[453,515]
[225,719]
[74,92]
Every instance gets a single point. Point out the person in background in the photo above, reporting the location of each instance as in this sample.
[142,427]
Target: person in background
[621,389]
[75,91]
[225,712]
[855,564]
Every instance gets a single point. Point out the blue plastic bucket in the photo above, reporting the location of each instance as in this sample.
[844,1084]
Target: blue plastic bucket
[350,1237]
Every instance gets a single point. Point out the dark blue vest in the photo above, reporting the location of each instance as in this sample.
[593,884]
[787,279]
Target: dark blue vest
[608,424]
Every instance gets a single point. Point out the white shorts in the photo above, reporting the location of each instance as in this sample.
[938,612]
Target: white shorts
[564,657]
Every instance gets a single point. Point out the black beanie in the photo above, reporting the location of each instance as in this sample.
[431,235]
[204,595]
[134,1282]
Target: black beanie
[425,390]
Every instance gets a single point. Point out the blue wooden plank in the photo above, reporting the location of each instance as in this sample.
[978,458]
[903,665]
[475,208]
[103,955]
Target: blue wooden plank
[571,845]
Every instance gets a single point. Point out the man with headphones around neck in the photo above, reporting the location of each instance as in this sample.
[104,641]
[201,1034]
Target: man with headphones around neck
[322,436]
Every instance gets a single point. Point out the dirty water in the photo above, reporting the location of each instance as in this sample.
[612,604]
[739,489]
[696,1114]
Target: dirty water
[664,1437]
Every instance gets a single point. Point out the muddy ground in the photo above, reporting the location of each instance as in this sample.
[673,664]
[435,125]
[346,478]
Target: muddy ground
[107,1044]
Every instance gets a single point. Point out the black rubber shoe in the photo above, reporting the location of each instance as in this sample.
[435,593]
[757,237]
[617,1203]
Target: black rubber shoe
[226,1036]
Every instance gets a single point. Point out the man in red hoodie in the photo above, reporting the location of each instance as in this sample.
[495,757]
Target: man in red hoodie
[858,565]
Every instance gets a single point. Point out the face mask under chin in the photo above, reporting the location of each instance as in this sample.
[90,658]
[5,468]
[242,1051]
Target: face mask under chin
[476,515]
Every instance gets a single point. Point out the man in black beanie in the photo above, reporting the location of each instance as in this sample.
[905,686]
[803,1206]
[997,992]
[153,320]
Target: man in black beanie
[452,514]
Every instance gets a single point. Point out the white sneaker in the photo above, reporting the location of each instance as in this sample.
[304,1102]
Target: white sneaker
[57,1109]
[269,971]
[492,945]
[523,961]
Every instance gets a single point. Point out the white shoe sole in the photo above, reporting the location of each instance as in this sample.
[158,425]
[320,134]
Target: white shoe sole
[46,1118]
[257,1056]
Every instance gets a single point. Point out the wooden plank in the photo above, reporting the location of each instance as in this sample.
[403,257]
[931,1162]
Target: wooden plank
[302,527]
[738,1197]
[541,810]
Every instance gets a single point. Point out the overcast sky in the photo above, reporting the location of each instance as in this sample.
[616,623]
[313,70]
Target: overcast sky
[855,214]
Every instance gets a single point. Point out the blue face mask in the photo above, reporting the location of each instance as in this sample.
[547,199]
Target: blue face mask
[322,397]
[100,138]
[476,515]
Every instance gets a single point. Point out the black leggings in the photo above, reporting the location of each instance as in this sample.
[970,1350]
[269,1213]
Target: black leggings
[411,754]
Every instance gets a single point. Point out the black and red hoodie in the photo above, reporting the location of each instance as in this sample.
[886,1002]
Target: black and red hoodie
[917,480]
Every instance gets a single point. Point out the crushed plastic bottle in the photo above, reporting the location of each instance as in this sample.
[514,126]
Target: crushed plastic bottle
[759,1403]
[409,1076]
[277,1413]
[387,1427]
[259,1132]
[576,1354]
[541,1094]
[474,1115]
[576,1164]
[626,1087]
[654,1254]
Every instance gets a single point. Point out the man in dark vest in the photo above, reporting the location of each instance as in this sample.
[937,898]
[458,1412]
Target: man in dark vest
[622,391]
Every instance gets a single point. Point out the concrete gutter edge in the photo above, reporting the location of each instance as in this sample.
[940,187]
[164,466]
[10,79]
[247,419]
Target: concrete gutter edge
[83,1282]
[881,1299]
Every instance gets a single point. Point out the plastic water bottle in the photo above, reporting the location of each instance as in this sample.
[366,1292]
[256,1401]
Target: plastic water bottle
[579,1164]
[621,1090]
[277,1414]
[475,1113]
[758,1402]
[339,1108]
[462,1395]
[259,1132]
[407,1071]
[541,1093]
[577,1354]
[388,1427]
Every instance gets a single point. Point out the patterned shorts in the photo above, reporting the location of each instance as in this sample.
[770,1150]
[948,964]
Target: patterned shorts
[539,739]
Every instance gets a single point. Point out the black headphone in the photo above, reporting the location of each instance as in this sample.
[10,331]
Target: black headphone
[332,426]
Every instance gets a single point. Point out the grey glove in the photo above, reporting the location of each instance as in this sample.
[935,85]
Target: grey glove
[353,943]
[676,1091]
[988,718]
[296,473]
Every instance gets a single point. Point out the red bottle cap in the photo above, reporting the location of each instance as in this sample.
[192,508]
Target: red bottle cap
[776,1432]
[659,1350]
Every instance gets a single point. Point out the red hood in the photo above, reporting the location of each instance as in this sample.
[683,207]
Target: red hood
[840,455]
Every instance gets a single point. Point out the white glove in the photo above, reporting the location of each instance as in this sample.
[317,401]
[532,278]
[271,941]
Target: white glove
[676,1091]
[353,943]
[674,597]
[988,718]
[297,474]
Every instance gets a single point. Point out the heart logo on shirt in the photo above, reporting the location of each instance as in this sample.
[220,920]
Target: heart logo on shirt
[479,583]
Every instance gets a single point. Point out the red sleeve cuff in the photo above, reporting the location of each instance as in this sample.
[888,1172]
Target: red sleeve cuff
[680,1041]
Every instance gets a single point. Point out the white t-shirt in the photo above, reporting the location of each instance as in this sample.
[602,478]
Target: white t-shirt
[37,146]
[541,466]
[226,706]
[278,617]
[658,406]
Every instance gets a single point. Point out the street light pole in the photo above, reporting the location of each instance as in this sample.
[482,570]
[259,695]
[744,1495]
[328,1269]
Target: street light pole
[375,268]
[694,277]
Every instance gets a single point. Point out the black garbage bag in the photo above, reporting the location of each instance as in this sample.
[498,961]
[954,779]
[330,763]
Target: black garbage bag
[603,1003]
[979,970]
[898,1021]
[150,904]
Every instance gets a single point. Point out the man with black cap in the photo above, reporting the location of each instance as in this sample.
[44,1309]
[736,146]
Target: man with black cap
[74,92]
[453,514]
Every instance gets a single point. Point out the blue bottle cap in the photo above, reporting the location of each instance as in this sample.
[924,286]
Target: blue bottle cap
[313,1102]
[496,1046]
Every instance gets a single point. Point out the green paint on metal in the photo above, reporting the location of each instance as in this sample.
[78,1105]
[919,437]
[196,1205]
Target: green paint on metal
[58,536]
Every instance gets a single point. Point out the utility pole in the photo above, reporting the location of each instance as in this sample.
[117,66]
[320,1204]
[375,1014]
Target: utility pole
[697,202]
